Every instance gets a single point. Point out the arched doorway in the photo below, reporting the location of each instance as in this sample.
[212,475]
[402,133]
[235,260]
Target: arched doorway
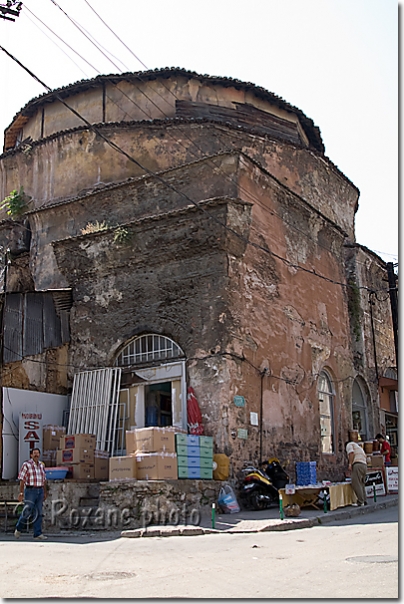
[153,384]
[360,419]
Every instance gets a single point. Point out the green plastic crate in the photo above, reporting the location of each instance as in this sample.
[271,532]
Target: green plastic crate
[206,452]
[182,461]
[206,441]
[206,473]
[182,471]
[182,450]
[181,439]
[206,462]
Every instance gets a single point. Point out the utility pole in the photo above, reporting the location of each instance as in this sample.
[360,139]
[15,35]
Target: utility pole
[12,7]
[392,277]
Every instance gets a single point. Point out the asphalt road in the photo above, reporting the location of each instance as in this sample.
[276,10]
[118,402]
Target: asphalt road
[354,558]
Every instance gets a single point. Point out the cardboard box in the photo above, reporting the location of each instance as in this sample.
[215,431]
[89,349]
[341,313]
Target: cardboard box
[156,466]
[73,456]
[49,458]
[51,437]
[377,461]
[122,467]
[130,442]
[78,441]
[101,465]
[79,471]
[154,440]
[83,471]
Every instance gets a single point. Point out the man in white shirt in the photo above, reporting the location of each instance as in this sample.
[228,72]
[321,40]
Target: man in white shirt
[357,465]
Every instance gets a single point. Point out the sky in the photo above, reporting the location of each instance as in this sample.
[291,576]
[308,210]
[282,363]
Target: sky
[336,60]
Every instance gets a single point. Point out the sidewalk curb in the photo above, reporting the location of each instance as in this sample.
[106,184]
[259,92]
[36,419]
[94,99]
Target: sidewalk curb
[273,525]
[352,512]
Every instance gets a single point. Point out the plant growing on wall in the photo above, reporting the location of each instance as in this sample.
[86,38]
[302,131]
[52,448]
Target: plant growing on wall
[121,235]
[94,227]
[15,203]
[354,305]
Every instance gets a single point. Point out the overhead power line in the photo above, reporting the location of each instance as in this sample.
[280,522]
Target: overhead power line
[116,147]
[170,92]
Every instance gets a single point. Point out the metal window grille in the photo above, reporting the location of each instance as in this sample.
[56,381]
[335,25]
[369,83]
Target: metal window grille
[148,348]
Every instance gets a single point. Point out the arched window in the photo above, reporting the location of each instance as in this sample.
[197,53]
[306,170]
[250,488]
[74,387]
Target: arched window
[149,348]
[359,411]
[326,405]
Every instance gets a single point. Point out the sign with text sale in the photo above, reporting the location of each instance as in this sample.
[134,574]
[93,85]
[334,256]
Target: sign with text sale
[30,434]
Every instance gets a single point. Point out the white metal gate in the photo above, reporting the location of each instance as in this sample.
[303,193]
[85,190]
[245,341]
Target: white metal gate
[94,406]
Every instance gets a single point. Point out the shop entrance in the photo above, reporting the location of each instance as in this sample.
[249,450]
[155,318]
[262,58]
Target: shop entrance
[158,404]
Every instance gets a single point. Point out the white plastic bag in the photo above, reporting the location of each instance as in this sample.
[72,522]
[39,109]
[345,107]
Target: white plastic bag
[227,500]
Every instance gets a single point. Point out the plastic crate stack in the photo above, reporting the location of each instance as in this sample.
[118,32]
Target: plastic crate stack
[306,473]
[194,456]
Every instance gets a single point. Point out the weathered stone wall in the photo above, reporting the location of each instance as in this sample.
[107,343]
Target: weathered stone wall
[45,172]
[367,273]
[126,504]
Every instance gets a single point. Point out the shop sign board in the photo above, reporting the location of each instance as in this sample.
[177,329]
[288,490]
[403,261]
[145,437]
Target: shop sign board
[392,479]
[374,478]
[30,434]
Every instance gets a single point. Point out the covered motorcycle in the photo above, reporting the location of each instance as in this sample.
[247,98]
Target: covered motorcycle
[260,488]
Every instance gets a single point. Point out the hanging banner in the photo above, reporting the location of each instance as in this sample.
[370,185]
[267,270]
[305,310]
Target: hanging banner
[30,435]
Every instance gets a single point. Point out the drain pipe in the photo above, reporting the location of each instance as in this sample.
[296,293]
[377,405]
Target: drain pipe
[263,374]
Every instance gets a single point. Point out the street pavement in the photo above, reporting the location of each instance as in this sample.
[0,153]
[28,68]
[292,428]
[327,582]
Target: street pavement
[247,521]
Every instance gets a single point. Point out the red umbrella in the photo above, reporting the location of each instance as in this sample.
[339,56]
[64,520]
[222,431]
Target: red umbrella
[195,425]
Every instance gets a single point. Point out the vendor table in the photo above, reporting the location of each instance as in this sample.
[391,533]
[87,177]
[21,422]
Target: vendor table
[341,495]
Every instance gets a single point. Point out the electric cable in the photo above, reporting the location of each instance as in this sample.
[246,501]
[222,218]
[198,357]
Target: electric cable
[176,98]
[170,186]
[188,138]
[159,109]
[53,41]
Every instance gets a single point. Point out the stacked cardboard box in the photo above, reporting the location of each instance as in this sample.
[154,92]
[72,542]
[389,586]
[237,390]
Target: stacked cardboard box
[51,436]
[154,452]
[194,455]
[77,452]
[101,464]
[122,467]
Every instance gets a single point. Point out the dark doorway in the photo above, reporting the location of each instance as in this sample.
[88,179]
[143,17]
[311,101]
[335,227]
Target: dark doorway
[158,405]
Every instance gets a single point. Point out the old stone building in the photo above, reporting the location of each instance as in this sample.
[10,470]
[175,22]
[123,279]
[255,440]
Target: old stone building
[191,230]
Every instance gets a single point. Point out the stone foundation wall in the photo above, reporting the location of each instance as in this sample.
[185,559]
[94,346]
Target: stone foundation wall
[126,504]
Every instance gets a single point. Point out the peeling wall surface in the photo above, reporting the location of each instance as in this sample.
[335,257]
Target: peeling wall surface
[222,226]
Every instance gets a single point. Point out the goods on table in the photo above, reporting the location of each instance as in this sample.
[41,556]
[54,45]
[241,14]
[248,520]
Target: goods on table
[306,473]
